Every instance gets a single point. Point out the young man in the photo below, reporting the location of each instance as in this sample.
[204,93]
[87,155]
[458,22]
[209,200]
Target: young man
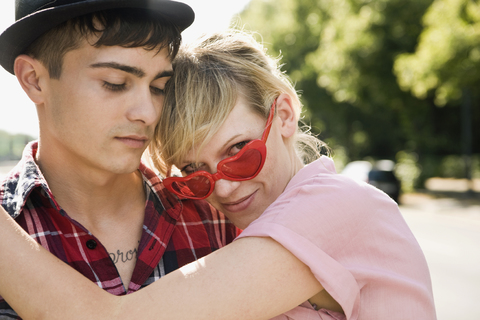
[96,71]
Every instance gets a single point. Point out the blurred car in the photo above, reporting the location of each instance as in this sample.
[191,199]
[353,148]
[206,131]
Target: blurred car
[379,174]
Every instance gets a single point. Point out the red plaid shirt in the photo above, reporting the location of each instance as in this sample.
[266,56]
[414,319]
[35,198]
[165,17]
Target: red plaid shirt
[174,232]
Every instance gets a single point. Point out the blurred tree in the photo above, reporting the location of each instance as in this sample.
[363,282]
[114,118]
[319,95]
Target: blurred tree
[447,59]
[447,63]
[341,55]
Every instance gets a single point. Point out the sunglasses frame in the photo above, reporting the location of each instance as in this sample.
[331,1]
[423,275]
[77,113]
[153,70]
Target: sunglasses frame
[257,144]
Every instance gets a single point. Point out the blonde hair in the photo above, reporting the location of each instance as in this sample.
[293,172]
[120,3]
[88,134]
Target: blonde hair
[209,76]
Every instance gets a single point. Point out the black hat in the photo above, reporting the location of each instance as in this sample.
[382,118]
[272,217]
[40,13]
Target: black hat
[35,17]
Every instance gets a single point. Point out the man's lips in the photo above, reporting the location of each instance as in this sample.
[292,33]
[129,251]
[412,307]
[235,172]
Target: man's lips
[133,141]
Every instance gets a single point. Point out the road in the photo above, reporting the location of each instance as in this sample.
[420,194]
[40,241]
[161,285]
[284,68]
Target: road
[448,230]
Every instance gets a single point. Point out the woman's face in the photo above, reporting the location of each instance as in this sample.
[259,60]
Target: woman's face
[244,201]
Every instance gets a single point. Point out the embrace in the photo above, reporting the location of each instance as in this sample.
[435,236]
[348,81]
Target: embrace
[174,182]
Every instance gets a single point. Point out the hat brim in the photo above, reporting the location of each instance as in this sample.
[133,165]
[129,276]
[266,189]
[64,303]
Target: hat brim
[20,35]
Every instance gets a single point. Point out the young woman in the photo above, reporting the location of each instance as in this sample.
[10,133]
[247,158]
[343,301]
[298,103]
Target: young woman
[313,242]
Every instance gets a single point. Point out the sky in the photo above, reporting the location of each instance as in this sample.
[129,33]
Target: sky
[17,112]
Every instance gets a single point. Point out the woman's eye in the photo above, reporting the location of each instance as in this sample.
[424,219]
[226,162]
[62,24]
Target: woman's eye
[237,147]
[114,87]
[187,170]
[157,91]
[191,168]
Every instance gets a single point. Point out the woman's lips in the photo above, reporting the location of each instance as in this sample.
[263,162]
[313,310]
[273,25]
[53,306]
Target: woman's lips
[241,204]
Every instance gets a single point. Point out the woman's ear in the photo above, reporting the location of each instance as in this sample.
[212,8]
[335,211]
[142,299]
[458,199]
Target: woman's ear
[287,115]
[28,72]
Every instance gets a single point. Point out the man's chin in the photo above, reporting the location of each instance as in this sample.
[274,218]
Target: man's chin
[125,167]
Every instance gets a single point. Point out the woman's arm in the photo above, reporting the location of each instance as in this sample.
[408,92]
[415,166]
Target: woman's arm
[252,278]
[37,285]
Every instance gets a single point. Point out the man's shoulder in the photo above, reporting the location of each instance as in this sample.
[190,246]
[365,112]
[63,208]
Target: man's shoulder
[199,215]
[201,209]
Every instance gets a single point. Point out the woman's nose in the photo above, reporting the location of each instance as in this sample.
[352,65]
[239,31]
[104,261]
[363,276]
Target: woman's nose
[223,187]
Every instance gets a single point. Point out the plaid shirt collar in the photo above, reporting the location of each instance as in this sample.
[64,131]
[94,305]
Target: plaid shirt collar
[21,180]
[26,176]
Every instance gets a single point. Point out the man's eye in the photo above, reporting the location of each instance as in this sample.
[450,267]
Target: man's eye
[114,87]
[157,91]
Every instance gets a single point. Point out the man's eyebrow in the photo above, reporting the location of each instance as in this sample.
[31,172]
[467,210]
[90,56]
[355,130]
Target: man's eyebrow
[163,74]
[114,65]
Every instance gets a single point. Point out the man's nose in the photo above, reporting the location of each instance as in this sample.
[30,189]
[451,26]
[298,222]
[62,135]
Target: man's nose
[145,107]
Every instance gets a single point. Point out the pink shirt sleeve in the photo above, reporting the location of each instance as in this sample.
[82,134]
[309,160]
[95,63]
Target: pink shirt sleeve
[355,241]
[306,312]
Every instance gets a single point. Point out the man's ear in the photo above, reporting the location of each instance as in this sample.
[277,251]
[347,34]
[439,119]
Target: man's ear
[287,115]
[29,72]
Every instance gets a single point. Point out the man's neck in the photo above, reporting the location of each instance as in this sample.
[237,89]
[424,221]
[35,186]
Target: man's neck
[90,194]
[110,206]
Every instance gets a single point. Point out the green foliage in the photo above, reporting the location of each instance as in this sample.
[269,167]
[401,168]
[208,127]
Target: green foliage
[447,59]
[340,158]
[407,170]
[452,167]
[342,55]
[11,146]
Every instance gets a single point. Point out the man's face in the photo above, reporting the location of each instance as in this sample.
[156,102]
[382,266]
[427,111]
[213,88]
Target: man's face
[102,111]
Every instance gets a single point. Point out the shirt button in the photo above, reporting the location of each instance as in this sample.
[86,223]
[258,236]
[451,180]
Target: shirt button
[91,244]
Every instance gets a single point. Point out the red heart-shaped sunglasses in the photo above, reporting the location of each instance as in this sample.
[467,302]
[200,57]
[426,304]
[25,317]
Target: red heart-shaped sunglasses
[245,165]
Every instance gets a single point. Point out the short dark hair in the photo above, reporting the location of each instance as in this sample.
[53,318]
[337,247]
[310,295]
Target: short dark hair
[129,28]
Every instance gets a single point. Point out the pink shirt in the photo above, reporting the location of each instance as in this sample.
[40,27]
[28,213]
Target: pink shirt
[355,241]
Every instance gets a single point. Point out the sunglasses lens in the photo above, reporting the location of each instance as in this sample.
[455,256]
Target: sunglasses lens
[244,167]
[197,187]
